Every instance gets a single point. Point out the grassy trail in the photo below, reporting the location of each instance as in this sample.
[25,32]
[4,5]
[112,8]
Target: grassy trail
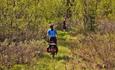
[61,61]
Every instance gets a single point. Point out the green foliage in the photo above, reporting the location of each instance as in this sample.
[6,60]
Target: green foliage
[26,17]
[23,18]
[90,8]
[26,21]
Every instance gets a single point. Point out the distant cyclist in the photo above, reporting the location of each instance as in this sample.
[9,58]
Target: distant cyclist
[64,26]
[52,34]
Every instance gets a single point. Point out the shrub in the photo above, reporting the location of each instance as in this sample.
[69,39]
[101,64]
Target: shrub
[20,53]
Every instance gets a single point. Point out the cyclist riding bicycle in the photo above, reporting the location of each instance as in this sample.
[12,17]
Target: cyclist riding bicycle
[52,34]
[64,25]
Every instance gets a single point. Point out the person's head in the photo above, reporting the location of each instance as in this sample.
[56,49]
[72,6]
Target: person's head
[51,26]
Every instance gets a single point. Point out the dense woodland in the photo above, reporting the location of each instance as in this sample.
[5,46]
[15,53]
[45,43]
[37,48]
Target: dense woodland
[88,43]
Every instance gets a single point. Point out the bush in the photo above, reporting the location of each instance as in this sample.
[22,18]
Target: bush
[20,53]
[96,51]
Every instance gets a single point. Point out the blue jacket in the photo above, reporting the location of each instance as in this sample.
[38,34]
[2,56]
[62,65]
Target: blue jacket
[52,33]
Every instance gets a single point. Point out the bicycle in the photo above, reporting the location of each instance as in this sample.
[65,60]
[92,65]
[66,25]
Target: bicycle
[52,49]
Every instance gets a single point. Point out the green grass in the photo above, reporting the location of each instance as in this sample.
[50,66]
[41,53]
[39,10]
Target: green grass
[48,63]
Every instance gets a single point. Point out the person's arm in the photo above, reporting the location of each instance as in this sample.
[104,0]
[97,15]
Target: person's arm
[48,34]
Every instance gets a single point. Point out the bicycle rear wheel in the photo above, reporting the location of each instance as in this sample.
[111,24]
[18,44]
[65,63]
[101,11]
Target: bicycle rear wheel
[53,55]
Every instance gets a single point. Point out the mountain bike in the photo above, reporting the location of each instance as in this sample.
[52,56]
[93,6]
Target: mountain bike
[52,49]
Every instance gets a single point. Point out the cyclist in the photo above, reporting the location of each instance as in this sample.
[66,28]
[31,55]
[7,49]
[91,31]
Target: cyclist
[52,34]
[64,26]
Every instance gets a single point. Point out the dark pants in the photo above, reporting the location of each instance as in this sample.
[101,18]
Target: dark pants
[53,39]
